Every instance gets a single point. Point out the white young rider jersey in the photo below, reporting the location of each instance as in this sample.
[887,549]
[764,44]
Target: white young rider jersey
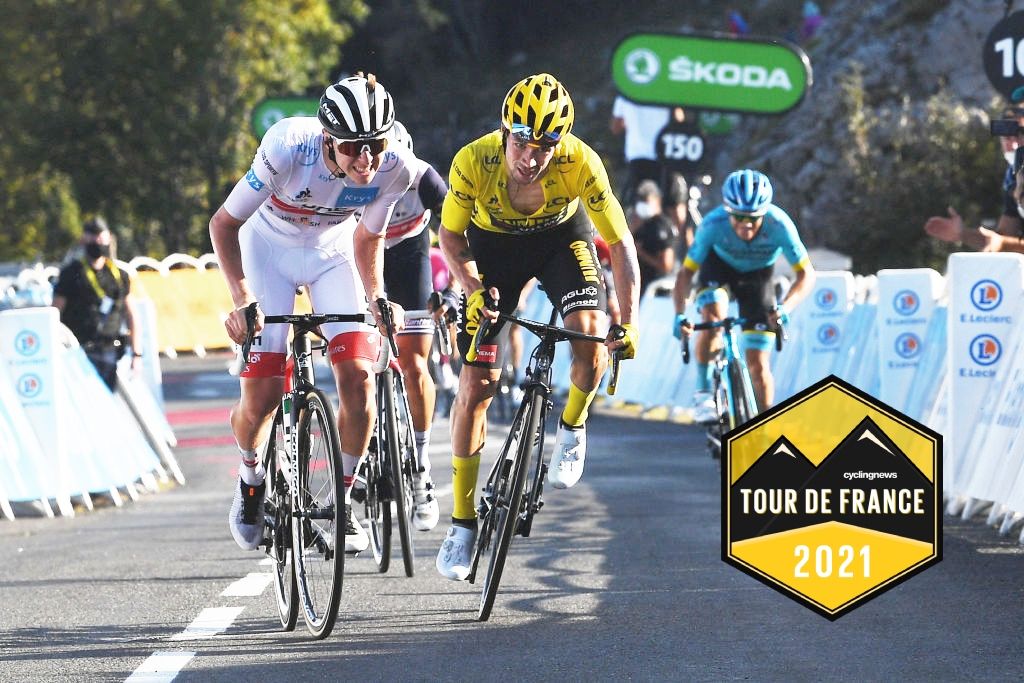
[409,217]
[292,189]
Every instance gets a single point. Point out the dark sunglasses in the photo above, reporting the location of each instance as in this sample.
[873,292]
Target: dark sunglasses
[524,134]
[354,148]
[744,217]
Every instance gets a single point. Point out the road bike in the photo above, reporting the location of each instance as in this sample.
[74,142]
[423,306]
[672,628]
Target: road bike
[304,510]
[731,386]
[385,477]
[514,490]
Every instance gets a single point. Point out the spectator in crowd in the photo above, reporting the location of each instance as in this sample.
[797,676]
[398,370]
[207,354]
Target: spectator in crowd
[676,206]
[656,238]
[641,124]
[738,26]
[94,299]
[1010,226]
[812,21]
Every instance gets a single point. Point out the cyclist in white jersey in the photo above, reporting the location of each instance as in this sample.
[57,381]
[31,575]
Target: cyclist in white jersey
[312,210]
[408,280]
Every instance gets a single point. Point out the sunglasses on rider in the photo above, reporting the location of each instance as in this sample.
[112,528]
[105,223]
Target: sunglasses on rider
[744,217]
[355,148]
[524,134]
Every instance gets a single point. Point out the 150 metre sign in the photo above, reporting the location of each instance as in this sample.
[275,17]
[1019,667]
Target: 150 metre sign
[711,72]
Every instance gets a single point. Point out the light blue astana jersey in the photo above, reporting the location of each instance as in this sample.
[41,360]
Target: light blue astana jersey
[777,236]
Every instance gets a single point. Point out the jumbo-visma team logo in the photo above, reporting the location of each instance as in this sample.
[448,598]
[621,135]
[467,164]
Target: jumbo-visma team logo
[906,302]
[642,65]
[985,349]
[908,345]
[826,299]
[986,295]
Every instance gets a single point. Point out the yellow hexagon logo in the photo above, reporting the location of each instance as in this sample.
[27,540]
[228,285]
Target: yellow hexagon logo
[830,497]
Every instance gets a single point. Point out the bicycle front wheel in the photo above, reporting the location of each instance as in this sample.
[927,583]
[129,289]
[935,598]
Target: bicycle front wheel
[278,514]
[319,517]
[744,409]
[507,499]
[401,459]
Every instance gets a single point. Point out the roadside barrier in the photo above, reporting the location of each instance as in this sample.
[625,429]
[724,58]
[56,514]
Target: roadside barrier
[65,435]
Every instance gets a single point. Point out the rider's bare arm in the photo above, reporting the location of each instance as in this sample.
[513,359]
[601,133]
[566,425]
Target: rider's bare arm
[459,257]
[627,275]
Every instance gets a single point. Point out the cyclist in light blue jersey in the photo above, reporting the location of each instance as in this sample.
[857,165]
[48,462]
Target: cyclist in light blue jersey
[735,249]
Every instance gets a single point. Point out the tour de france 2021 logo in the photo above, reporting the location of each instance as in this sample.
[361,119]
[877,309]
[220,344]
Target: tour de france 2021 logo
[906,302]
[986,295]
[832,498]
[642,65]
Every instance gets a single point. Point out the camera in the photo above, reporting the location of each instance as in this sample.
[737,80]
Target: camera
[1004,127]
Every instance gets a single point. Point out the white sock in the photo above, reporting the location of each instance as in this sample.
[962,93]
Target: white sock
[251,468]
[423,450]
[348,469]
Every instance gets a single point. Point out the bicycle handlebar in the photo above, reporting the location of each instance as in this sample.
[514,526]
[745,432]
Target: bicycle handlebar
[728,323]
[541,330]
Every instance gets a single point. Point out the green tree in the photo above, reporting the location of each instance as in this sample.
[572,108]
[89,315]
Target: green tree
[139,109]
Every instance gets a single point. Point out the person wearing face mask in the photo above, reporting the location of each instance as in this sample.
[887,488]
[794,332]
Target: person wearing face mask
[94,299]
[656,237]
[1010,227]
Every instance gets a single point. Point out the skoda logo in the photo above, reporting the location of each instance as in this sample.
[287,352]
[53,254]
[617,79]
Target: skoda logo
[642,66]
[908,345]
[985,349]
[906,302]
[826,299]
[828,334]
[26,343]
[986,295]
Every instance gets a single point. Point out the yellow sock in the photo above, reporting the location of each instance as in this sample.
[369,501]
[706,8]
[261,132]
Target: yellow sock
[465,471]
[576,406]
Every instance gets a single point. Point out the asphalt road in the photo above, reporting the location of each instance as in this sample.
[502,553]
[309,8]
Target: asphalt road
[621,579]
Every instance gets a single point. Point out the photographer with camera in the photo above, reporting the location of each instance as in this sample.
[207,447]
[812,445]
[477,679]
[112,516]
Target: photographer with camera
[1009,229]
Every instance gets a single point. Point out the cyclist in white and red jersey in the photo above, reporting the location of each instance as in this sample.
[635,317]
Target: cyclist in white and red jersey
[409,282]
[312,210]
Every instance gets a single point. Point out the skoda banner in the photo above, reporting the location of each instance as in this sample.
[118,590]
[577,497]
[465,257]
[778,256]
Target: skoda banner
[711,72]
[271,110]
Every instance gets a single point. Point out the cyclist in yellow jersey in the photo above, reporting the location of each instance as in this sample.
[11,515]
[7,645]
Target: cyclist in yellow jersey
[513,212]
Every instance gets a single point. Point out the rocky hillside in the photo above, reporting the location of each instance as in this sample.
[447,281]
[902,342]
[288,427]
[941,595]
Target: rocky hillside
[907,52]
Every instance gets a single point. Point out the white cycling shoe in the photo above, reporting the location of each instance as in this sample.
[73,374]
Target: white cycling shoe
[455,556]
[356,540]
[246,516]
[704,409]
[426,512]
[567,461]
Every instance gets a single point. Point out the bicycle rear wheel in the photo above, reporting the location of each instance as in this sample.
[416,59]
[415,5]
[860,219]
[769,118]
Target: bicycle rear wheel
[507,500]
[319,522]
[278,514]
[402,459]
[377,508]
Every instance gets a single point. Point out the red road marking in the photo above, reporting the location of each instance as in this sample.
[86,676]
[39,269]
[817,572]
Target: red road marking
[204,416]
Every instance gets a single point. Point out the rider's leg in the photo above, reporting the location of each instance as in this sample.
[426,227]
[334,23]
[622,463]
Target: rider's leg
[757,350]
[713,305]
[589,361]
[353,373]
[413,352]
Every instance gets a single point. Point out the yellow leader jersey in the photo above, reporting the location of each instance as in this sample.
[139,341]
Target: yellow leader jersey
[478,191]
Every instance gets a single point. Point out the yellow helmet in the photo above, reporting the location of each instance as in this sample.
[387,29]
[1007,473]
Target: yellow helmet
[539,109]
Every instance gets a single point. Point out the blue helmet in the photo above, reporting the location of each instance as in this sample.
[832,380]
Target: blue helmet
[748,192]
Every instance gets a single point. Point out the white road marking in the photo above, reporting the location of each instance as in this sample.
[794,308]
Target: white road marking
[209,623]
[253,584]
[161,667]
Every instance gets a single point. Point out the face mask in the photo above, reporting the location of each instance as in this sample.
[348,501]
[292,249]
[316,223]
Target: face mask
[643,210]
[1009,157]
[94,251]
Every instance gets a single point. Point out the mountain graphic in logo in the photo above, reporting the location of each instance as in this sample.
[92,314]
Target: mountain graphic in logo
[867,464]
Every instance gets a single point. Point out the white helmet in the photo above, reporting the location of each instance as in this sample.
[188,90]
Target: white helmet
[356,108]
[399,135]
